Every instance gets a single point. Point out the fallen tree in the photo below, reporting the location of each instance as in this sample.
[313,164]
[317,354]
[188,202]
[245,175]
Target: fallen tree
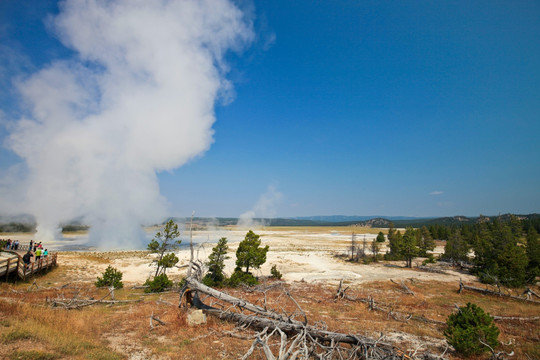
[298,339]
[494,293]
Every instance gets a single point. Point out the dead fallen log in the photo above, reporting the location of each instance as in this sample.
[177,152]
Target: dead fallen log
[515,318]
[431,270]
[494,293]
[80,303]
[262,319]
[77,303]
[194,285]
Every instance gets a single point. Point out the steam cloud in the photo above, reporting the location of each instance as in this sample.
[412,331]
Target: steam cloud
[136,99]
[264,208]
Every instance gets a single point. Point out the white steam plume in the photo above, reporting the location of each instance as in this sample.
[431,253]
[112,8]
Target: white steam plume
[138,98]
[264,208]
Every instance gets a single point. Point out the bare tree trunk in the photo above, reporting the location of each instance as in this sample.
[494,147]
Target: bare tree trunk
[190,244]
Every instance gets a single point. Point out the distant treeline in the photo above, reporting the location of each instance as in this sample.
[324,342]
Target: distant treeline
[440,231]
[14,227]
[17,227]
[438,226]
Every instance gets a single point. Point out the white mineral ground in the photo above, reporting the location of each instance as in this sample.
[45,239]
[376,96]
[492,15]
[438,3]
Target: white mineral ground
[308,255]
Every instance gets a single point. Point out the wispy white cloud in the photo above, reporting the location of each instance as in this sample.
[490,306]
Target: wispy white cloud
[436,192]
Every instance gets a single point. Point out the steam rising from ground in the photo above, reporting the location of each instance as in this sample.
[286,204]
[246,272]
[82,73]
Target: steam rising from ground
[137,98]
[264,208]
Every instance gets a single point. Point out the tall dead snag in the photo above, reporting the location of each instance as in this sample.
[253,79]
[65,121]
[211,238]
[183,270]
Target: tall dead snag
[298,339]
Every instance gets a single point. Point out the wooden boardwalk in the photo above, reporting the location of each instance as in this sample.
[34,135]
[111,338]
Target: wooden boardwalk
[14,263]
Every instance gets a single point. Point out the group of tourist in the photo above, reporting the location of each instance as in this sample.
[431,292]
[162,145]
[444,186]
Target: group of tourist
[38,252]
[12,244]
[35,249]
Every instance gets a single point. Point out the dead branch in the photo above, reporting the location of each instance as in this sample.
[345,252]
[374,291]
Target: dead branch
[495,293]
[388,310]
[405,287]
[158,320]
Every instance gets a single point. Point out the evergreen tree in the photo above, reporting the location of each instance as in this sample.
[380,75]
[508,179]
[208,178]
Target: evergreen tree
[426,242]
[111,277]
[500,258]
[533,254]
[163,244]
[216,264]
[249,253]
[409,249]
[468,327]
[380,237]
[395,243]
[391,232]
[456,249]
[511,265]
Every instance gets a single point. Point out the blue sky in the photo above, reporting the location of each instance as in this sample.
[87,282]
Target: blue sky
[354,107]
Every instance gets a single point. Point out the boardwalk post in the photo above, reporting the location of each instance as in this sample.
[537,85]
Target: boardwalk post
[7,269]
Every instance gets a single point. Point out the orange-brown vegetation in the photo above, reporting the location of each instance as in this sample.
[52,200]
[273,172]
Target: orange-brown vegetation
[31,329]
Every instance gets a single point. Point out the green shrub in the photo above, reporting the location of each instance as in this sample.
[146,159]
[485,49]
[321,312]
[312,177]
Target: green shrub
[111,277]
[212,281]
[241,278]
[468,327]
[159,284]
[430,260]
[276,274]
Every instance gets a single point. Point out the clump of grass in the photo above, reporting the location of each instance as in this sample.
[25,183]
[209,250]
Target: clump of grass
[31,355]
[17,335]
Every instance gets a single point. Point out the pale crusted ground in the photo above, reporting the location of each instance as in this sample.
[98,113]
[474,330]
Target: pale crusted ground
[300,254]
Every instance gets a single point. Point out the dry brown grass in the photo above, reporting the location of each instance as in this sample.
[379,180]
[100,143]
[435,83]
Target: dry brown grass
[27,323]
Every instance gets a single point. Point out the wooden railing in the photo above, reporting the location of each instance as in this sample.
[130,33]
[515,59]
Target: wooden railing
[24,271]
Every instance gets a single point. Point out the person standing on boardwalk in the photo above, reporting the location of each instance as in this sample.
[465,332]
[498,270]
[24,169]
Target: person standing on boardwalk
[26,259]
[38,254]
[31,243]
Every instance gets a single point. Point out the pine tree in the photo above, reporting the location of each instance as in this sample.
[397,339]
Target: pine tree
[426,242]
[163,244]
[249,253]
[395,243]
[533,254]
[216,264]
[456,249]
[391,232]
[468,328]
[409,249]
